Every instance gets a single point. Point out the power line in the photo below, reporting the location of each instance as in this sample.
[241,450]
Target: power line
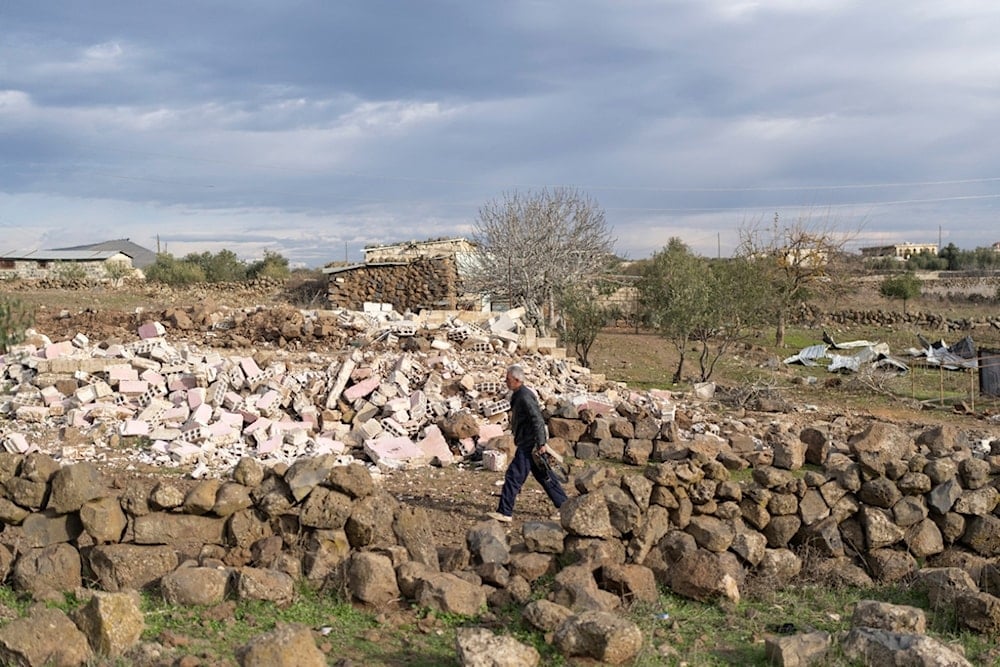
[622,188]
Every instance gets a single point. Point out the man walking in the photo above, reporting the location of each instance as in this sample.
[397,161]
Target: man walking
[528,427]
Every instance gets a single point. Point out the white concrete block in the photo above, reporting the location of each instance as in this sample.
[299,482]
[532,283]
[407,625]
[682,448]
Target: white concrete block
[494,460]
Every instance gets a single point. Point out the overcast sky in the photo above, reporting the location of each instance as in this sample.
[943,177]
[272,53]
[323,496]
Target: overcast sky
[315,128]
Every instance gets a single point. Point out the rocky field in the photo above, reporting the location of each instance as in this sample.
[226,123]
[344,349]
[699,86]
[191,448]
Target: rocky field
[220,423]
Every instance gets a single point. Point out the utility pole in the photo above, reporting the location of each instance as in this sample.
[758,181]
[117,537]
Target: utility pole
[718,243]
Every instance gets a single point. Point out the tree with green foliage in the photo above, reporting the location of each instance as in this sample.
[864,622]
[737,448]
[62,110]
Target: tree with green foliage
[221,267]
[952,255]
[923,261]
[15,319]
[690,299]
[532,246]
[171,271]
[273,265]
[737,306]
[904,286]
[583,315]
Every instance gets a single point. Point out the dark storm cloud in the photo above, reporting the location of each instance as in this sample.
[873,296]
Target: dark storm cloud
[311,127]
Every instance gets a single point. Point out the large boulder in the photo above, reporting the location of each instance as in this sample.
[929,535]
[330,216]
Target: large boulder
[195,585]
[52,568]
[45,638]
[478,647]
[120,567]
[258,583]
[446,592]
[112,622]
[371,578]
[73,485]
[412,527]
[873,646]
[103,519]
[587,515]
[600,635]
[288,645]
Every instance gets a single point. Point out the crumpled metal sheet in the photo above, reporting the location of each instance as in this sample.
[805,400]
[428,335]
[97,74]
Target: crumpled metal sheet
[808,356]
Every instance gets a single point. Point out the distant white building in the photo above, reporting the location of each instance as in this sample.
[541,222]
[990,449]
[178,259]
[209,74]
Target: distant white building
[411,250]
[900,251]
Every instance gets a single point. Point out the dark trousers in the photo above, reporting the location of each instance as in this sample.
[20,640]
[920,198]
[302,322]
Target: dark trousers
[517,473]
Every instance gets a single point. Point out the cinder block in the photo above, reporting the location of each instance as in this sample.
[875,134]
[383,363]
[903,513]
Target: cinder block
[494,460]
[134,427]
[16,442]
[393,427]
[435,447]
[151,330]
[32,414]
[395,453]
[361,389]
[51,395]
[56,350]
[133,387]
[120,372]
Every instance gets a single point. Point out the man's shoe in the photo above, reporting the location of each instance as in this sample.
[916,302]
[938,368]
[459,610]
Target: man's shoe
[496,516]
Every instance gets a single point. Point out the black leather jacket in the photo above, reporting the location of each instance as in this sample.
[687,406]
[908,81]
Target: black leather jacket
[526,420]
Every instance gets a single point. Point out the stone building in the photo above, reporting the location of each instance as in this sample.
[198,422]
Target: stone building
[410,276]
[900,251]
[42,264]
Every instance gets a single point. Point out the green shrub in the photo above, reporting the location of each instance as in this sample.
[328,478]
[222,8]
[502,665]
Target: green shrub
[272,266]
[68,272]
[170,271]
[15,319]
[117,270]
[222,267]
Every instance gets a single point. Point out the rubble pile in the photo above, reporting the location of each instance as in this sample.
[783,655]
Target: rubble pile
[414,392]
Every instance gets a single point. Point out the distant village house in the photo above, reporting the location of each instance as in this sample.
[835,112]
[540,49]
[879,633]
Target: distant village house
[56,264]
[900,251]
[97,261]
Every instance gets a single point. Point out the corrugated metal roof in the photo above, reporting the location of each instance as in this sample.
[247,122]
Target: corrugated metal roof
[141,257]
[60,255]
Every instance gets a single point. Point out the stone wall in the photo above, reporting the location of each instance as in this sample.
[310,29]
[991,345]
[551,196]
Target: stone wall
[421,284]
[869,507]
[812,315]
[876,505]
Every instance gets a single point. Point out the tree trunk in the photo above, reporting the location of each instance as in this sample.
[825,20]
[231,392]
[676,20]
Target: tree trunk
[779,331]
[680,368]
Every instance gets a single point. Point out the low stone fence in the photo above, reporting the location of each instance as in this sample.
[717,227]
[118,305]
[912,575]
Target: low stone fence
[872,505]
[815,316]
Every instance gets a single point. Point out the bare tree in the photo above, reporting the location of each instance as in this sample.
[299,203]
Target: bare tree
[797,260]
[532,246]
